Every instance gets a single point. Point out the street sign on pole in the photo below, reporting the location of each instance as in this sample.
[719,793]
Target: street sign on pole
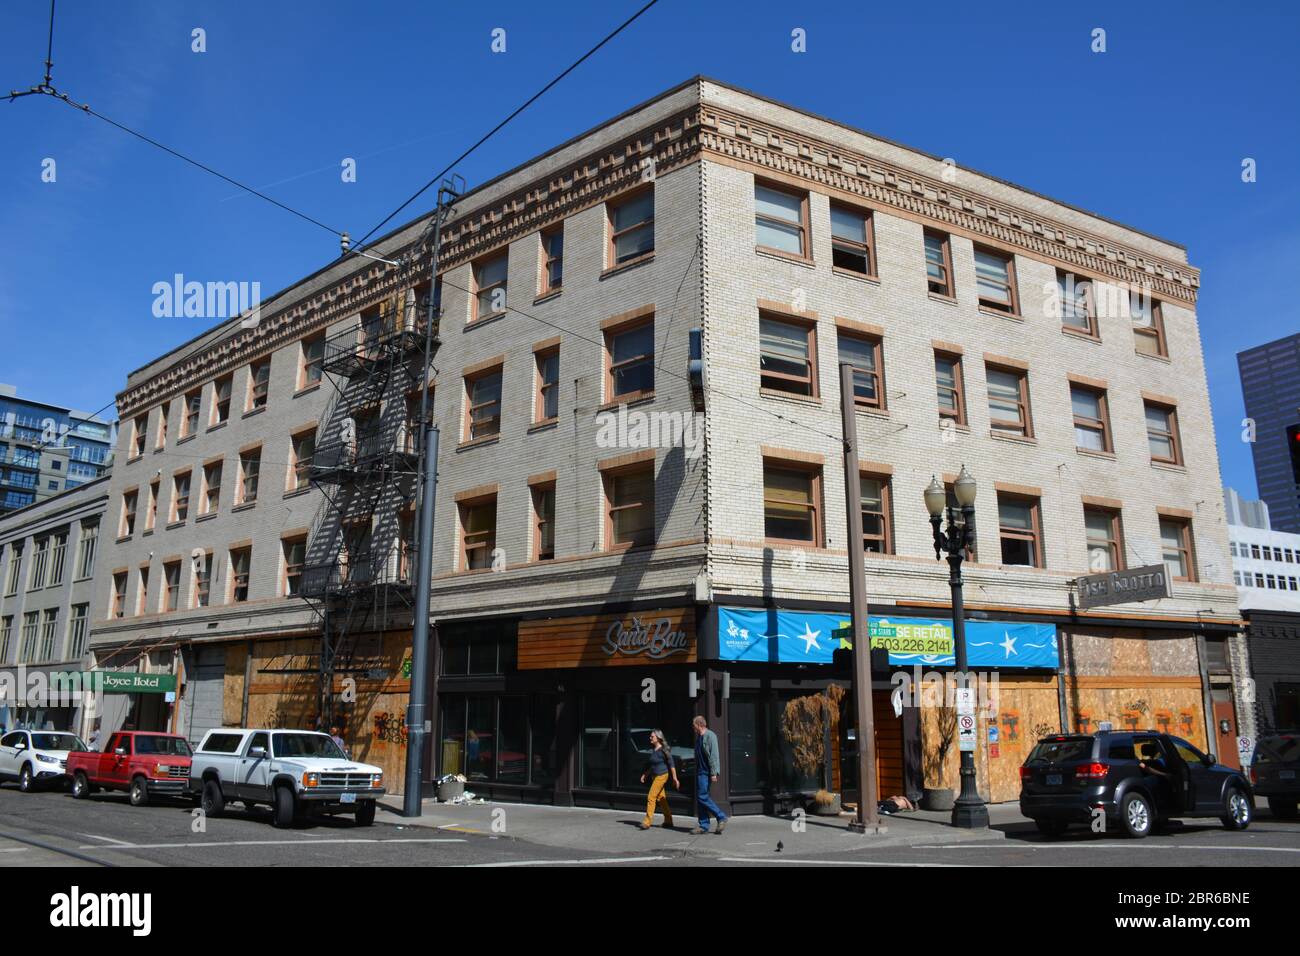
[966,731]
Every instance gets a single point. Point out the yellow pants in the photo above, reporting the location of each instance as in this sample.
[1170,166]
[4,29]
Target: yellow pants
[658,795]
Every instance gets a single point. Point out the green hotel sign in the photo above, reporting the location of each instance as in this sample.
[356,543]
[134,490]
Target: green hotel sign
[114,682]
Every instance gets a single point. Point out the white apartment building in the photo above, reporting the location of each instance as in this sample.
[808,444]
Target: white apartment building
[1052,352]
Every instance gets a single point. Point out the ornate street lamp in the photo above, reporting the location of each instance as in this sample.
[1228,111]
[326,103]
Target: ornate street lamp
[969,811]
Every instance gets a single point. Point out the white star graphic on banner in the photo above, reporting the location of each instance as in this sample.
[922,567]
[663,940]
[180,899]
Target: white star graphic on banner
[809,638]
[1009,645]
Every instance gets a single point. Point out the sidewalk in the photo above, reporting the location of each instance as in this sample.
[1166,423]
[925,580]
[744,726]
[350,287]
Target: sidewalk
[581,829]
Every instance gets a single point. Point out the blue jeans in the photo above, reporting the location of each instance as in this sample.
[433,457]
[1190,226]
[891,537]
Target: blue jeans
[707,806]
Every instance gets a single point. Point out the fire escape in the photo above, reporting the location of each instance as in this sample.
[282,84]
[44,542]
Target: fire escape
[359,568]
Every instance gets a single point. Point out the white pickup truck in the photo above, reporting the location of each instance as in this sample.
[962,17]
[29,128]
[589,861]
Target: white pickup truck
[295,772]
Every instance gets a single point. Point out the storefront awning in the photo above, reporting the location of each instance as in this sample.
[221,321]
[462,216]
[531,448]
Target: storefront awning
[809,637]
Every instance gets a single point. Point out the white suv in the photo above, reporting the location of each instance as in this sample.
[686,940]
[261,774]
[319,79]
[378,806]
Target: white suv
[294,772]
[35,757]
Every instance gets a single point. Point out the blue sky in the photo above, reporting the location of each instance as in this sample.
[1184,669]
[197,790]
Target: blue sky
[1151,133]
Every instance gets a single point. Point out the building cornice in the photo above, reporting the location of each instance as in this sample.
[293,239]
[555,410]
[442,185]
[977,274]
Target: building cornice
[701,131]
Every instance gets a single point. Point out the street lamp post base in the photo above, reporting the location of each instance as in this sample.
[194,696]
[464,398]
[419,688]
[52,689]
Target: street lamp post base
[970,816]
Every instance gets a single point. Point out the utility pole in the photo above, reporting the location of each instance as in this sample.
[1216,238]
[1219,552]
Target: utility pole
[868,818]
[426,496]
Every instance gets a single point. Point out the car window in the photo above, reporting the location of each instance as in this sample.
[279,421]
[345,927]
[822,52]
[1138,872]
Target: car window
[307,745]
[1185,750]
[149,744]
[57,742]
[1061,751]
[11,740]
[259,740]
[1147,749]
[222,743]
[119,742]
[1121,748]
[1278,749]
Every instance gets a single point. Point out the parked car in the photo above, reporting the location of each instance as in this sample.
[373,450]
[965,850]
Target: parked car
[145,765]
[1275,772]
[295,772]
[36,757]
[1139,779]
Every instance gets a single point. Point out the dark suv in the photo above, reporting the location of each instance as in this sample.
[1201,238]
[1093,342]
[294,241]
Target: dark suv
[1140,778]
[1276,772]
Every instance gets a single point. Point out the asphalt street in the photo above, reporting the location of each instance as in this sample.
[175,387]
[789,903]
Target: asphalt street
[49,828]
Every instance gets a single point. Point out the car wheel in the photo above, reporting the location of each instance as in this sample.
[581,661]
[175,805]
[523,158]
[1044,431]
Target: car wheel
[212,802]
[1052,828]
[1284,808]
[1135,814]
[365,813]
[80,785]
[139,792]
[1238,810]
[284,808]
[25,781]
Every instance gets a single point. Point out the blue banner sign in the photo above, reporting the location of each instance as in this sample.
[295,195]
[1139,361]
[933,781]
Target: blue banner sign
[808,637]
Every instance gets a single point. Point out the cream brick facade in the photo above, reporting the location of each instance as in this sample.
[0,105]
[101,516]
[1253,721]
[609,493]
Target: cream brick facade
[706,273]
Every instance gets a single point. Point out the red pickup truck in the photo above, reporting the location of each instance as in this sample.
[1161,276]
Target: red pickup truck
[143,764]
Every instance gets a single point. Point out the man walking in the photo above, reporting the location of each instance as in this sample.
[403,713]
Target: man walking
[707,767]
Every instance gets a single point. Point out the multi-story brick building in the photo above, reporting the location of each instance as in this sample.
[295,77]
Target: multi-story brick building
[591,583]
[48,556]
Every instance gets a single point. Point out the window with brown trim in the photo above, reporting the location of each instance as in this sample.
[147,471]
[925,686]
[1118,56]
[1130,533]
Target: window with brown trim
[407,554]
[211,488]
[250,465]
[151,508]
[950,386]
[631,227]
[630,361]
[119,595]
[490,286]
[787,355]
[220,401]
[781,220]
[190,423]
[552,260]
[295,555]
[1008,390]
[139,428]
[478,524]
[372,329]
[171,585]
[995,281]
[412,425]
[180,496]
[1148,324]
[547,403]
[160,438]
[483,404]
[1091,418]
[938,264]
[630,506]
[877,522]
[311,355]
[302,448]
[241,563]
[203,581]
[259,385]
[1177,550]
[543,522]
[792,503]
[853,242]
[1105,539]
[143,606]
[127,526]
[866,355]
[1162,433]
[1078,311]
[1020,530]
[356,558]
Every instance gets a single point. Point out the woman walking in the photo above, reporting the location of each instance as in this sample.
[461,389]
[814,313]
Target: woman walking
[661,766]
